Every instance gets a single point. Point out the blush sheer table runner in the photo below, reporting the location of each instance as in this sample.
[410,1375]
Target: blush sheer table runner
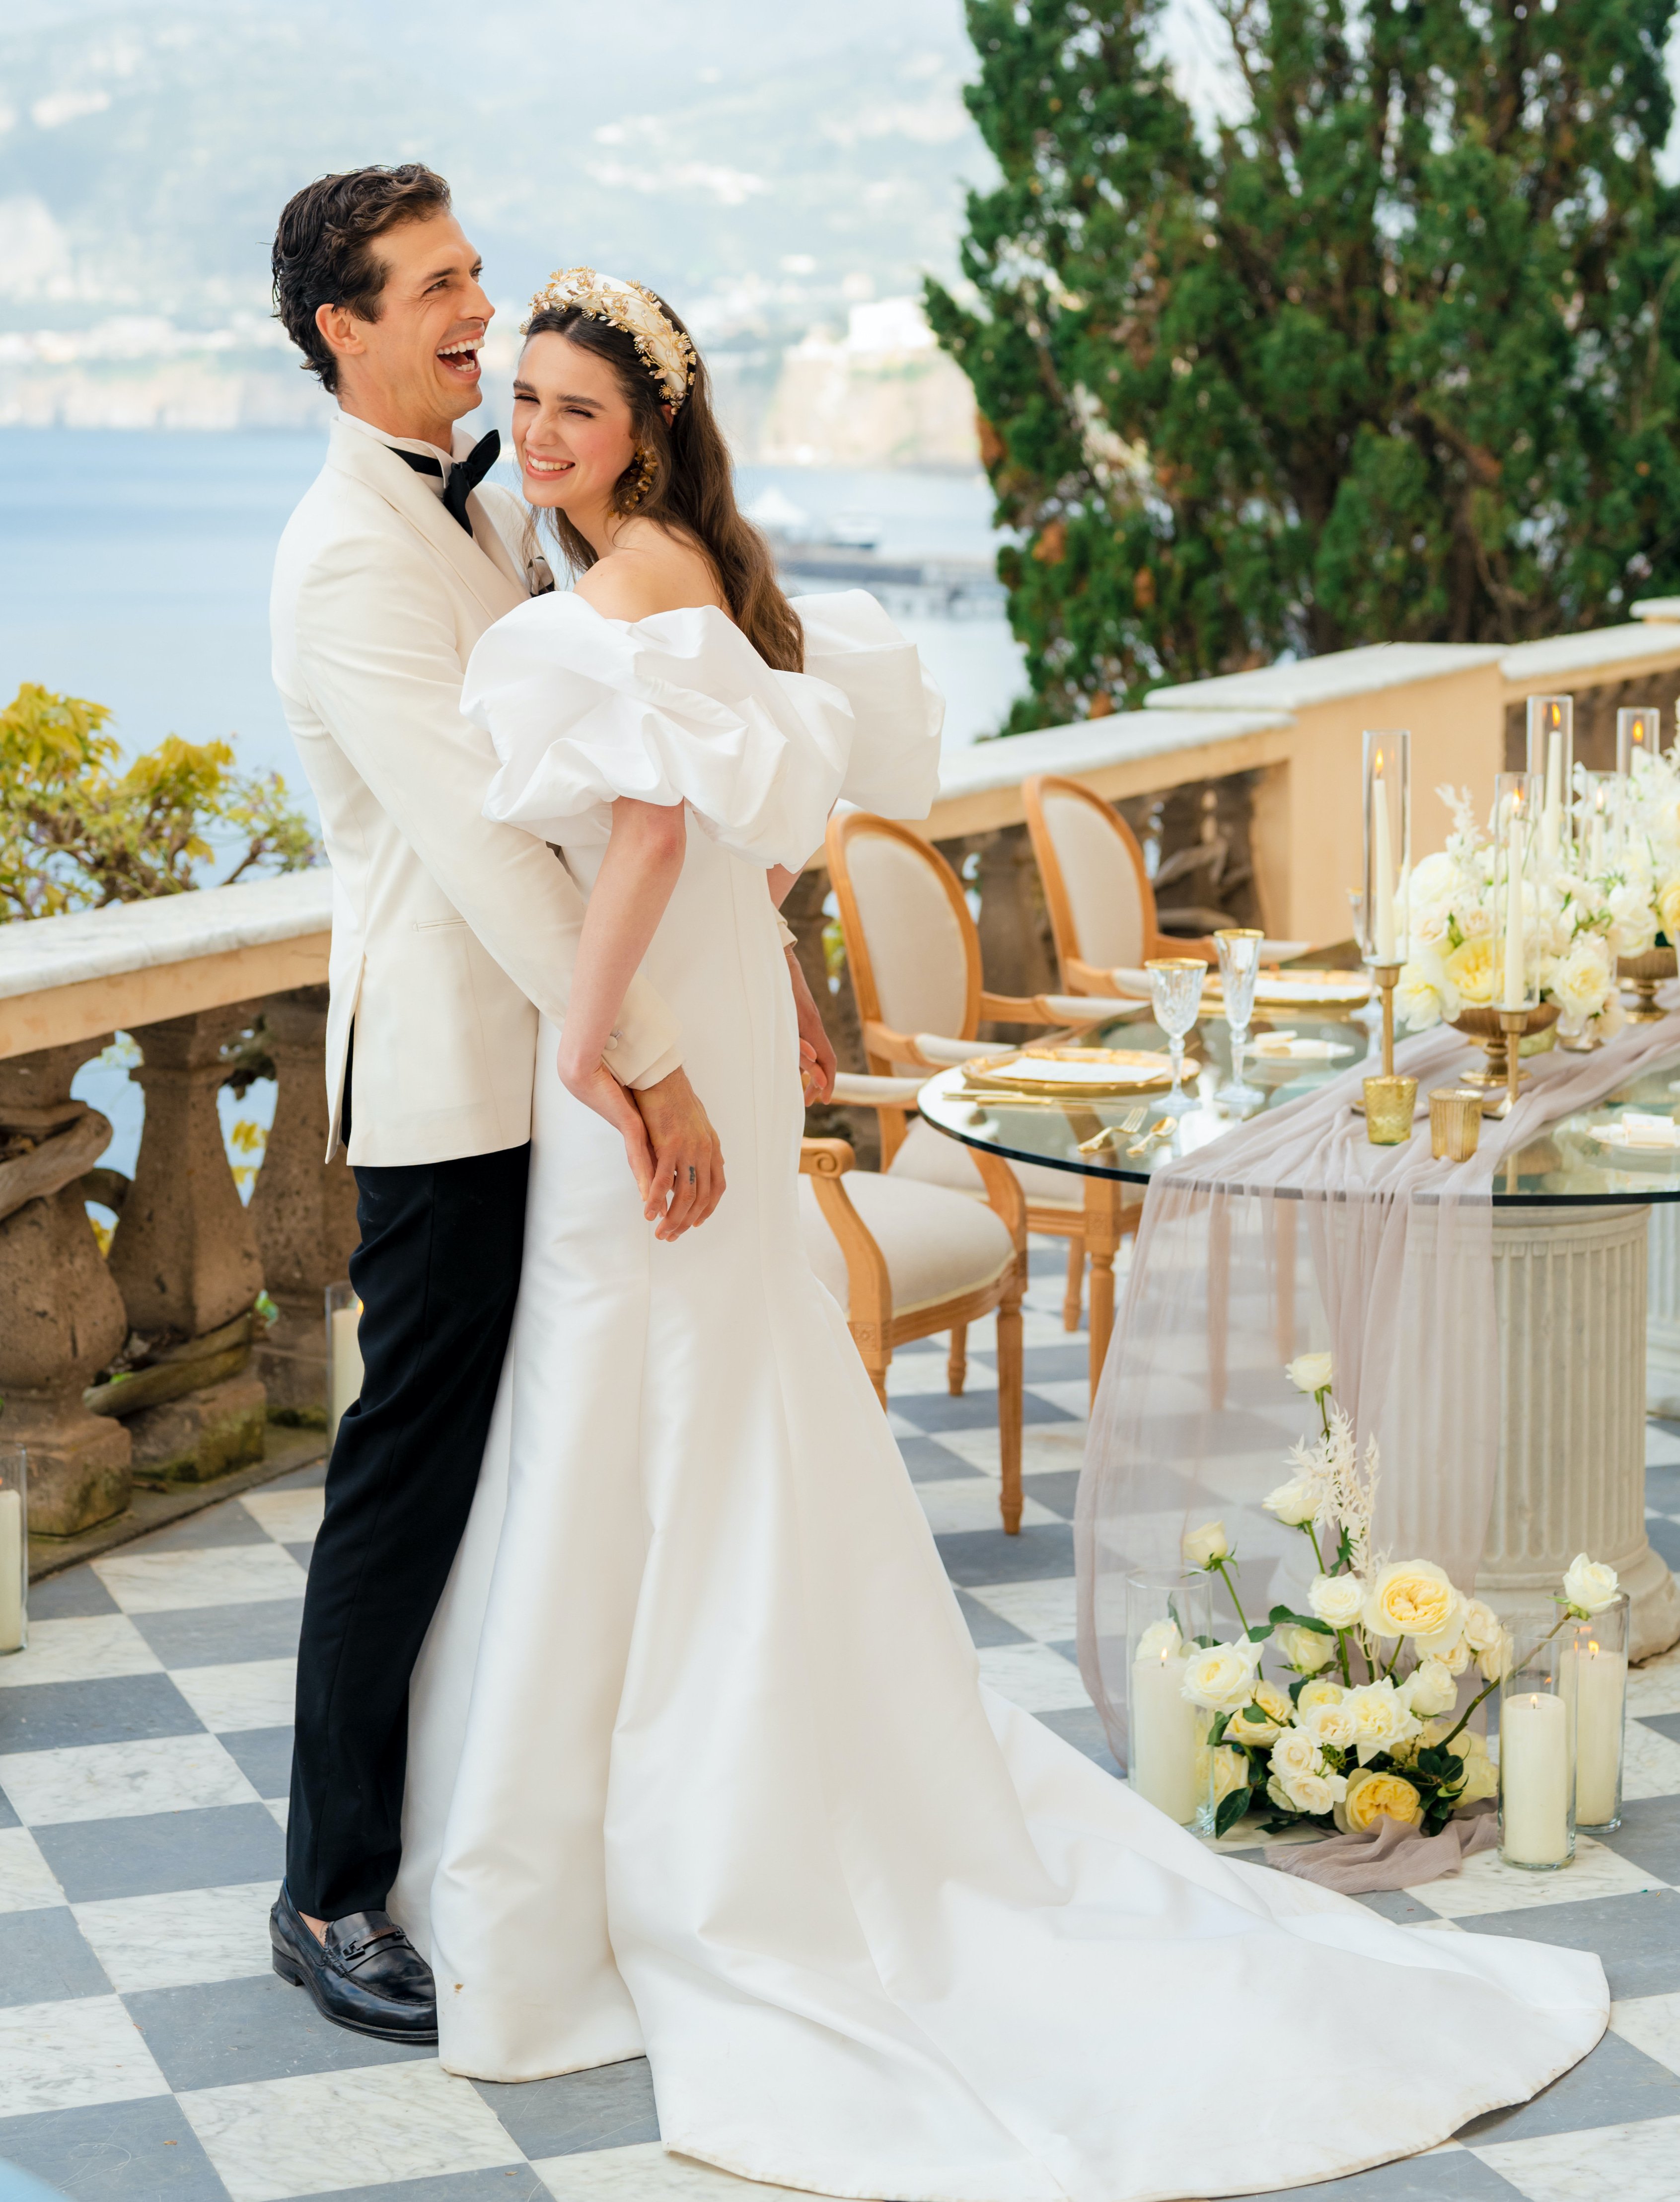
[1289,1232]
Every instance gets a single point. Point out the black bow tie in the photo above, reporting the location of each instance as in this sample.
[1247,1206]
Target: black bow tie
[465,474]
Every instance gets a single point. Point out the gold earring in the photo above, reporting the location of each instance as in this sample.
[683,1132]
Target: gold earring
[647,471]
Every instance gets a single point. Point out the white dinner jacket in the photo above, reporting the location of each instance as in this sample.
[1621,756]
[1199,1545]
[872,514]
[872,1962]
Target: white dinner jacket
[449,932]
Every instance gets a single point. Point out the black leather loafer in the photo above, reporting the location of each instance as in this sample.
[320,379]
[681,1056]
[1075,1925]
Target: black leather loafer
[368,1977]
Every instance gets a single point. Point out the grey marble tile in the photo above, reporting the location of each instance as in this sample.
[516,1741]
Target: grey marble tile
[989,1556]
[115,1709]
[263,1756]
[1058,1488]
[1082,1727]
[215,1635]
[1664,1537]
[608,2108]
[1649,1836]
[1051,1364]
[44,1959]
[986,1627]
[220,2033]
[1638,1937]
[1662,1489]
[1398,1904]
[139,2151]
[494,2184]
[932,1411]
[213,1847]
[302,1554]
[312,1478]
[9,1818]
[212,1530]
[1616,2085]
[77,1591]
[928,1462]
[1453,2175]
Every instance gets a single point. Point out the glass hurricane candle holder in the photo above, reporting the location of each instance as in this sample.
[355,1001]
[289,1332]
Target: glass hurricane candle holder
[1599,823]
[1551,760]
[1517,805]
[1388,847]
[1639,733]
[1175,989]
[1239,953]
[1536,1762]
[1168,1758]
[343,1355]
[1595,1678]
[13,1548]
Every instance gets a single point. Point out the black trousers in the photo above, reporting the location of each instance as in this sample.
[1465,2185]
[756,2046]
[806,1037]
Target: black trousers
[436,1272]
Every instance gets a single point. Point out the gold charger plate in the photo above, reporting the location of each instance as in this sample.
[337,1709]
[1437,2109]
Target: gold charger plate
[1307,989]
[1071,1074]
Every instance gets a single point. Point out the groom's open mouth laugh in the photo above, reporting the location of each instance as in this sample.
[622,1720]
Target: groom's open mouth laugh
[459,357]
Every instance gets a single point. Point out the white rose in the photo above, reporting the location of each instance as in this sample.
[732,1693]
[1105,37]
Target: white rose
[1310,1372]
[1269,1701]
[1633,927]
[1417,1004]
[1339,1599]
[1220,1677]
[1430,1689]
[1159,1640]
[1415,1599]
[1295,1503]
[1321,1691]
[1294,1753]
[1228,1769]
[1454,1657]
[1581,982]
[1382,1718]
[1201,1547]
[1332,1724]
[1305,1649]
[1482,1630]
[1589,1586]
[1315,1793]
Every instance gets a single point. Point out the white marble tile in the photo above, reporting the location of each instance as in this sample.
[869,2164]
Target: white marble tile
[1044,1448]
[915,1376]
[186,1937]
[116,1781]
[86,1650]
[1044,1611]
[290,1517]
[250,1694]
[1637,2163]
[26,1881]
[56,2056]
[1033,1677]
[900,1427]
[278,1808]
[968,1503]
[1662,1447]
[1650,1763]
[1072,1394]
[1655,1686]
[1486,1884]
[1651,2023]
[643,2170]
[226,1575]
[1248,1835]
[273,2139]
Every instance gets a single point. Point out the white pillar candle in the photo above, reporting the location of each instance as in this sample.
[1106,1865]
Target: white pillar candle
[1382,867]
[346,1372]
[1600,1691]
[1514,990]
[1164,1742]
[11,1571]
[1533,1778]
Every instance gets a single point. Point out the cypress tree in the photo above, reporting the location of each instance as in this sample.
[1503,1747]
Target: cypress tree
[1393,357]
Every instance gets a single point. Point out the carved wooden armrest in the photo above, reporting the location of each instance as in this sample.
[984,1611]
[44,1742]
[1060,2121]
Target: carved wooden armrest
[869,1288]
[853,1091]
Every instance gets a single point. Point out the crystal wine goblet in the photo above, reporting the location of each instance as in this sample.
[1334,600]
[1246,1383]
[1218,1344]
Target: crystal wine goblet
[1175,989]
[1239,953]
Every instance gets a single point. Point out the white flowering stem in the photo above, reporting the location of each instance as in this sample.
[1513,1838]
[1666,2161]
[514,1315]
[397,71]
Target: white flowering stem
[1341,1655]
[1323,1397]
[1569,1613]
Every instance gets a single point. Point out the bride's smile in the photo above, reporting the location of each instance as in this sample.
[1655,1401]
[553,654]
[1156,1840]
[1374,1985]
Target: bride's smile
[573,432]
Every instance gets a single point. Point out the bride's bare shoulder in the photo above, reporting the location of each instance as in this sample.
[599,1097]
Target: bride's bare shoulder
[648,571]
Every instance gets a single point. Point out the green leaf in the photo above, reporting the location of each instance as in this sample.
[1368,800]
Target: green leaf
[1230,1811]
[1257,1713]
[1282,1615]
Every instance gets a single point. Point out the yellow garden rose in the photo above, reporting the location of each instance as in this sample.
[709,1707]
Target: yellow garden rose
[1274,1705]
[1320,1691]
[1473,969]
[1414,1598]
[1372,1796]
[1668,909]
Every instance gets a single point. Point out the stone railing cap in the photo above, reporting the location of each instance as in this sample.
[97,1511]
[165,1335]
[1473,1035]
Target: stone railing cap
[1087,744]
[44,952]
[1563,654]
[1341,673]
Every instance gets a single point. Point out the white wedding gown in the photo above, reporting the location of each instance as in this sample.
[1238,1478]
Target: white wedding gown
[701,1764]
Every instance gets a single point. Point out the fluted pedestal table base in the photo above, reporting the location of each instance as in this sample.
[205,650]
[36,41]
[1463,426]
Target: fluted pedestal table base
[1570,1283]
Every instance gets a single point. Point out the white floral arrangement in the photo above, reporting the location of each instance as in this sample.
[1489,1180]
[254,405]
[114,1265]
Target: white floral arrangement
[1363,1725]
[1577,920]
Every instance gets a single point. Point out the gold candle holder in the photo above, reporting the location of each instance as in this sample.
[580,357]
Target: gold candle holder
[1513,1023]
[1454,1123]
[1645,974]
[1387,976]
[1388,1105]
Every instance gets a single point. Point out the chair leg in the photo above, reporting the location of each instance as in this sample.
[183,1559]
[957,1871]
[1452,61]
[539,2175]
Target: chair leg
[1075,1284]
[956,1369]
[1010,1404]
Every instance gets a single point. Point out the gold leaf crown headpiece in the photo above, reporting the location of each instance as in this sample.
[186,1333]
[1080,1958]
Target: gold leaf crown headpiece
[665,351]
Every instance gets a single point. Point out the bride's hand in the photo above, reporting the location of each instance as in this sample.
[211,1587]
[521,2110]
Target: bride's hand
[595,1087]
[672,1151]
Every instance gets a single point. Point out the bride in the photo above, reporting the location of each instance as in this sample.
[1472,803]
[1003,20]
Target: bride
[702,1766]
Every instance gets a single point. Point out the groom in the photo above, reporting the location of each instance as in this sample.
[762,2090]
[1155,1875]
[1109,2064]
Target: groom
[450,934]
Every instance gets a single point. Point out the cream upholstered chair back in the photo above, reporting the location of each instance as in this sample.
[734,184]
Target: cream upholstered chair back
[910,940]
[1102,906]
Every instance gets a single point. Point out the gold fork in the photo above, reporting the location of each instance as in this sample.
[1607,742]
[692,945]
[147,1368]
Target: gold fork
[1132,1122]
[1162,1128]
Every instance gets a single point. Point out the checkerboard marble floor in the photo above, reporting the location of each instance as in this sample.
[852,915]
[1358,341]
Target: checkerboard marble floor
[147,2050]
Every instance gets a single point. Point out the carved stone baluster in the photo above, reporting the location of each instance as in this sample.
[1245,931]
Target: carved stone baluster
[185,1256]
[304,1209]
[61,1315]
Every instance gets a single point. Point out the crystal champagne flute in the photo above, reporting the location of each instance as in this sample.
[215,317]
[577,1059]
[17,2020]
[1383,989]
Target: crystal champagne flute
[1175,988]
[1239,954]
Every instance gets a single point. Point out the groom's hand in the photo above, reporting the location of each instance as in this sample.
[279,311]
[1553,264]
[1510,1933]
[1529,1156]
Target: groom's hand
[687,1159]
[818,1063]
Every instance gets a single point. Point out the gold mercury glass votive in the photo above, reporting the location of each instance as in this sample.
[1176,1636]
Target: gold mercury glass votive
[1454,1123]
[1389,1103]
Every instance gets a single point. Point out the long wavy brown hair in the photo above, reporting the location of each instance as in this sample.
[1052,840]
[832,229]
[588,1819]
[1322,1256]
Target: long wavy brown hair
[692,489]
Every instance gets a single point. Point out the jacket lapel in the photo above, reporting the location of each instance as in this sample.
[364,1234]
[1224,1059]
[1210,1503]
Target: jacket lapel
[382,471]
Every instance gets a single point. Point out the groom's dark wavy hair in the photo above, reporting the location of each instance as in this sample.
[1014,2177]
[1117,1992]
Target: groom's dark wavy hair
[324,252]
[693,486]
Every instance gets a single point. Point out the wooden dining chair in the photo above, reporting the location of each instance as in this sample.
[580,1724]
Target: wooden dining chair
[1097,890]
[907,1260]
[914,953]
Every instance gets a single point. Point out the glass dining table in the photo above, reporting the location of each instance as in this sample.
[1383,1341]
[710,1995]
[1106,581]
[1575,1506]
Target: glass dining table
[1572,1222]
